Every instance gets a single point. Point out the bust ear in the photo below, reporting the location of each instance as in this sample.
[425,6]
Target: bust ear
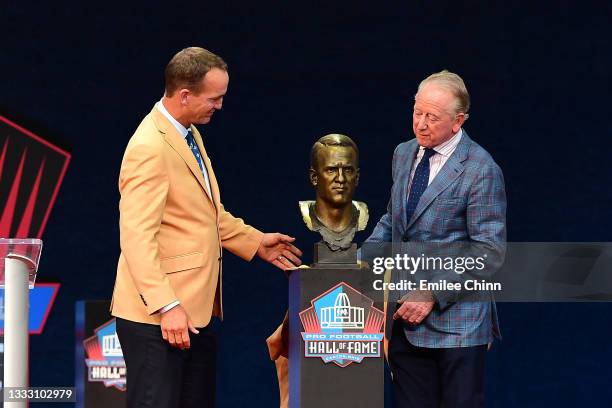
[312,175]
[357,178]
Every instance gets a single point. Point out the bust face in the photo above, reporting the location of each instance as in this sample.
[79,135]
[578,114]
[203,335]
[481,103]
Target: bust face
[336,175]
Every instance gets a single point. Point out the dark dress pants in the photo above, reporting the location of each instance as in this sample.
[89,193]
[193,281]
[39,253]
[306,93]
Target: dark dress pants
[162,376]
[434,378]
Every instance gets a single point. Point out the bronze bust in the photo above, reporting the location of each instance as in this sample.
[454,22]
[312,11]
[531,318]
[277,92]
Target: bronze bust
[334,173]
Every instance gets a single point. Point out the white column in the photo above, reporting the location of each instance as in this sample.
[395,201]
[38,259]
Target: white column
[16,304]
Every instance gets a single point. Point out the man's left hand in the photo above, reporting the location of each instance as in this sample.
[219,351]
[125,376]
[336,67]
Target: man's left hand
[279,251]
[415,307]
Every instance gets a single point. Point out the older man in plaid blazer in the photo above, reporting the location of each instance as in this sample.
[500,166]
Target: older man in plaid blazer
[446,190]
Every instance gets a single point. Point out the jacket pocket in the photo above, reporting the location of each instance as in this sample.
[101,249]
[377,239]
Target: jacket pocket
[182,262]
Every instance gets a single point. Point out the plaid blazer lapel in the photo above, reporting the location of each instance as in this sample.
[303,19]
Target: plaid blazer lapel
[452,169]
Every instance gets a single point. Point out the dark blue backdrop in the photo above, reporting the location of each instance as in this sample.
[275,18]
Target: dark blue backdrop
[83,76]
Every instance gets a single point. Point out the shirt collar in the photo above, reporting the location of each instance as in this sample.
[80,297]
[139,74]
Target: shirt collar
[448,147]
[181,129]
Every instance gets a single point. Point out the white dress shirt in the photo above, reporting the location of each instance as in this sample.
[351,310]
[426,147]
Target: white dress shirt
[437,161]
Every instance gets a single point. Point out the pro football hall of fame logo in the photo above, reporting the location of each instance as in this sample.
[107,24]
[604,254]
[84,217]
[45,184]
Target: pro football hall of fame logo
[104,357]
[342,326]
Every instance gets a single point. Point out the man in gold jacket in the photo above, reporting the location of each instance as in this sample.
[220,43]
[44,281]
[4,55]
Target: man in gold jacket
[173,228]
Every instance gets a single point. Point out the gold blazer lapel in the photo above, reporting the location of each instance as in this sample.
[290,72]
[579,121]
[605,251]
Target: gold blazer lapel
[179,144]
[211,175]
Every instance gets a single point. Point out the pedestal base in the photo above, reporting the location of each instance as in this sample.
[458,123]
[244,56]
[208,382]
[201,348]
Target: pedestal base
[325,258]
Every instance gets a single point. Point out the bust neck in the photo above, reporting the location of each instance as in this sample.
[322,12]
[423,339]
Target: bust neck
[336,219]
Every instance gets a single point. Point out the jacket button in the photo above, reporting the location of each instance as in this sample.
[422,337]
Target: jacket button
[404,239]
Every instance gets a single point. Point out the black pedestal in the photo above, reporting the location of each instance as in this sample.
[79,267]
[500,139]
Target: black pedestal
[100,368]
[335,338]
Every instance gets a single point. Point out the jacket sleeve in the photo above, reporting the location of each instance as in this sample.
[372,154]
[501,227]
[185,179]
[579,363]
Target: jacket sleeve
[486,227]
[383,231]
[237,237]
[143,185]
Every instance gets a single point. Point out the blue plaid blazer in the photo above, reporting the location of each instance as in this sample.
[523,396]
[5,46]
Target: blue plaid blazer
[466,202]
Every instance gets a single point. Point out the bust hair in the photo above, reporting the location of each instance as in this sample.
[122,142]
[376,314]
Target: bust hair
[333,139]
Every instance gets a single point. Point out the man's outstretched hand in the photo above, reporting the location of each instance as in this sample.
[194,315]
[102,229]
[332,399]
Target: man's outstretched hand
[279,251]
